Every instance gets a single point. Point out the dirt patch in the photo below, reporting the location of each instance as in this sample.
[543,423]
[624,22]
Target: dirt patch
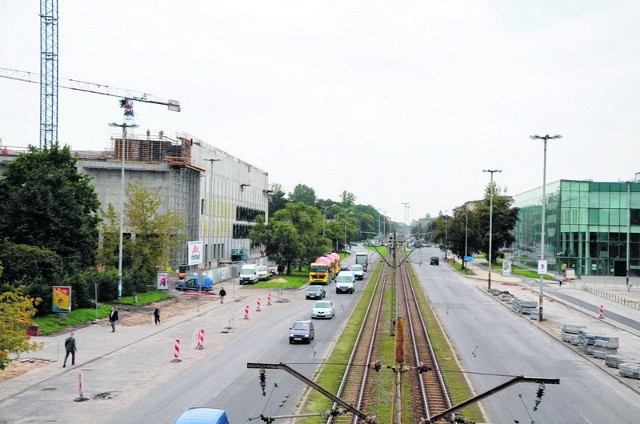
[129,316]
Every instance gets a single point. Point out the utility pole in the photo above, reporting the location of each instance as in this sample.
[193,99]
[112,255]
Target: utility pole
[128,116]
[545,138]
[491,190]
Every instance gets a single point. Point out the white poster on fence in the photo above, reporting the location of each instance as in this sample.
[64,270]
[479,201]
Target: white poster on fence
[194,252]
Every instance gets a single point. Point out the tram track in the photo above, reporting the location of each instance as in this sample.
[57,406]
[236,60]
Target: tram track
[415,395]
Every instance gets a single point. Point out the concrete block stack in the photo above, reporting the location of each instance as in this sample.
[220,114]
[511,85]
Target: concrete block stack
[524,306]
[605,345]
[570,333]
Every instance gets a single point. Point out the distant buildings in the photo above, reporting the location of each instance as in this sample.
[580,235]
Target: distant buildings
[591,227]
[220,196]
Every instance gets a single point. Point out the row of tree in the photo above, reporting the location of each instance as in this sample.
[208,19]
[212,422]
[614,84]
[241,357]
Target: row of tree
[54,232]
[466,231]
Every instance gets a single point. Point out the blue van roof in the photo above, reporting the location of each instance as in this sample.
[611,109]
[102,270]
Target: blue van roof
[198,415]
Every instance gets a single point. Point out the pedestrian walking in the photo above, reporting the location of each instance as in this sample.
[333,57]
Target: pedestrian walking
[113,317]
[156,316]
[222,294]
[70,348]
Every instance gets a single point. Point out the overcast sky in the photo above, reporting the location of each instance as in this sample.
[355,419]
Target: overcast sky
[394,101]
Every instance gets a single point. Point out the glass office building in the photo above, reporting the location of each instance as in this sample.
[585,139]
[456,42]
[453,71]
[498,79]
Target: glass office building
[591,227]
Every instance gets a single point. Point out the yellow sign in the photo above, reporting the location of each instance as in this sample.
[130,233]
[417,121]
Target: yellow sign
[61,298]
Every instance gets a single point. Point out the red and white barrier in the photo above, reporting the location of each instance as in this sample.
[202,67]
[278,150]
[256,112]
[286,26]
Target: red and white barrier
[80,386]
[258,305]
[200,345]
[176,351]
[246,312]
[601,312]
[269,300]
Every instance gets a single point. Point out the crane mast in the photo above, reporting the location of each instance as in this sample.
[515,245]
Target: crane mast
[48,72]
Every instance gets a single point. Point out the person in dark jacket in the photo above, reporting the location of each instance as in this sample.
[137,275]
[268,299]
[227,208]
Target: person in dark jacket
[156,316]
[70,348]
[222,294]
[113,317]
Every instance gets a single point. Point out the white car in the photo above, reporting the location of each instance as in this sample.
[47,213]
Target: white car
[323,309]
[358,271]
[263,273]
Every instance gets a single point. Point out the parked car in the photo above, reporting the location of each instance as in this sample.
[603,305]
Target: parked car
[358,271]
[315,292]
[434,260]
[249,274]
[263,273]
[301,331]
[323,309]
[273,270]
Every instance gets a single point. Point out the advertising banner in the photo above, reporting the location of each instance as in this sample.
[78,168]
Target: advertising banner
[194,252]
[163,281]
[506,268]
[542,267]
[61,299]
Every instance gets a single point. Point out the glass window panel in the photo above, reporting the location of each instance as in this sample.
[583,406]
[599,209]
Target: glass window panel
[594,199]
[614,200]
[604,217]
[604,199]
[614,217]
[624,217]
[594,216]
[565,185]
[575,185]
[624,199]
[635,216]
[635,200]
[602,236]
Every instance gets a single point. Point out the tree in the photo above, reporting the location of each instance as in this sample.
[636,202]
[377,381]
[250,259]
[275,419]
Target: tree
[155,234]
[303,194]
[46,203]
[34,268]
[278,200]
[463,232]
[347,199]
[293,235]
[17,311]
[504,221]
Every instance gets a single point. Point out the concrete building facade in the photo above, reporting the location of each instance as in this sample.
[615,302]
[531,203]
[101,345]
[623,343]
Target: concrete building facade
[218,195]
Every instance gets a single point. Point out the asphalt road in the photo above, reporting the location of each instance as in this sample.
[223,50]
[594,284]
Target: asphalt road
[493,344]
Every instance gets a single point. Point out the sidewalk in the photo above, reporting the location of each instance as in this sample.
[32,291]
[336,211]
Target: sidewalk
[97,341]
[577,303]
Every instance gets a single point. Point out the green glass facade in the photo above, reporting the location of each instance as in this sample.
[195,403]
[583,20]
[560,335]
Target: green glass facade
[587,227]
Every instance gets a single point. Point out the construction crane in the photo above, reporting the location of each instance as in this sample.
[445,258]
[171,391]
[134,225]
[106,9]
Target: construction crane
[90,87]
[49,72]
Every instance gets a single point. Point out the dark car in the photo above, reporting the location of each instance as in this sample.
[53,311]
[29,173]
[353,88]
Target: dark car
[315,292]
[301,331]
[434,260]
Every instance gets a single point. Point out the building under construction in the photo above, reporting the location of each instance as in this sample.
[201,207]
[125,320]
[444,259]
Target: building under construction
[218,195]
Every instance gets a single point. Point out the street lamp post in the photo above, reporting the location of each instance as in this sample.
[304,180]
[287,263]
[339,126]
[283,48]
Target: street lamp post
[405,218]
[324,220]
[545,138]
[128,112]
[446,235]
[492,171]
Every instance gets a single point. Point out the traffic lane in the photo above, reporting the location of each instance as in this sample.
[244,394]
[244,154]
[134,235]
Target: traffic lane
[224,381]
[490,339]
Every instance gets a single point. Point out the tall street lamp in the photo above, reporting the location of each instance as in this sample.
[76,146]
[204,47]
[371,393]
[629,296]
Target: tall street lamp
[124,127]
[492,171]
[446,235]
[405,218]
[545,138]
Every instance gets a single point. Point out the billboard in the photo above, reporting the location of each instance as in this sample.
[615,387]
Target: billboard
[163,281]
[61,299]
[194,252]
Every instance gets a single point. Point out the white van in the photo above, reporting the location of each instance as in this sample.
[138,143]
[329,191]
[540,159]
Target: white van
[248,274]
[345,282]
